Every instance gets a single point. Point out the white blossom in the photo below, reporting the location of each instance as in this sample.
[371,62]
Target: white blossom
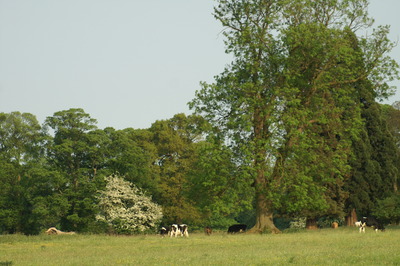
[126,208]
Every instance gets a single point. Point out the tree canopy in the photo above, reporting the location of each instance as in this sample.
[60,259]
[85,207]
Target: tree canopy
[288,103]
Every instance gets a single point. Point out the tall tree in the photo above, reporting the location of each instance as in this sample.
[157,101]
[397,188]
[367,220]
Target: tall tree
[71,153]
[174,139]
[283,102]
[375,164]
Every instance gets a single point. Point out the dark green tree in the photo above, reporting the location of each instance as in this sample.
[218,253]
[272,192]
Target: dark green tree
[131,154]
[21,148]
[375,164]
[392,114]
[74,153]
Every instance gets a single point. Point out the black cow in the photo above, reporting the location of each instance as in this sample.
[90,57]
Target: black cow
[237,228]
[373,222]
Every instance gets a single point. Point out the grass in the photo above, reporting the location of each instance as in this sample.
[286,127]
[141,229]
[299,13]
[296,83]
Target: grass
[343,246]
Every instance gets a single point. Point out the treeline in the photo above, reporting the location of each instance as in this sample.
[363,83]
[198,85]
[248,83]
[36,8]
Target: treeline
[53,179]
[290,128]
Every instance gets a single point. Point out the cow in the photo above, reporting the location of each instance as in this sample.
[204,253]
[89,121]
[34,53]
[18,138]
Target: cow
[372,222]
[179,230]
[361,226]
[174,230]
[55,231]
[208,230]
[165,230]
[183,228]
[237,228]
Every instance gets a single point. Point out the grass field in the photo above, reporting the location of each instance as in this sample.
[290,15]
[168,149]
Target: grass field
[343,246]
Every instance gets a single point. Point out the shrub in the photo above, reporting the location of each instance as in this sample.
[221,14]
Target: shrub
[126,209]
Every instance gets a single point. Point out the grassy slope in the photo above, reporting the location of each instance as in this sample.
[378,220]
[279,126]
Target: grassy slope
[322,247]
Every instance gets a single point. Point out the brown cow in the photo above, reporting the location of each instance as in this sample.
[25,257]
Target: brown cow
[208,230]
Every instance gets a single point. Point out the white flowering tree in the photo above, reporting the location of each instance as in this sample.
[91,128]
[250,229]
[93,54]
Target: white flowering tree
[126,208]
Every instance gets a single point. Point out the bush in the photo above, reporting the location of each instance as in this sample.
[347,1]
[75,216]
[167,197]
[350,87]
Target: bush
[126,209]
[388,209]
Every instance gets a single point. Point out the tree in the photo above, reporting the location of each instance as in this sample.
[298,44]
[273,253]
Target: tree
[392,114]
[287,99]
[21,148]
[75,152]
[43,200]
[174,140]
[126,208]
[131,153]
[21,137]
[215,182]
[375,164]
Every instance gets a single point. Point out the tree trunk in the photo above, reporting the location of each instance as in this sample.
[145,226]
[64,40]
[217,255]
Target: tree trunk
[264,210]
[351,218]
[264,217]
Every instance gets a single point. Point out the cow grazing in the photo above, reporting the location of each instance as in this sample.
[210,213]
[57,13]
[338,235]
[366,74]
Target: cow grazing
[175,230]
[237,228]
[208,230]
[165,230]
[183,228]
[373,222]
[179,230]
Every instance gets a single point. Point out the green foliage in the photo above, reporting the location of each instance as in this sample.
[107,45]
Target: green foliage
[175,142]
[375,164]
[73,154]
[288,104]
[219,188]
[131,153]
[388,209]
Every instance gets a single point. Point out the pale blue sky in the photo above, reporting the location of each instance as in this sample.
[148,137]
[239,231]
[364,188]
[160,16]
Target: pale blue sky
[127,63]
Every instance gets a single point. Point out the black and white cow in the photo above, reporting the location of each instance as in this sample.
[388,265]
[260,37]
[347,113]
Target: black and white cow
[237,228]
[372,222]
[174,230]
[184,230]
[361,226]
[179,230]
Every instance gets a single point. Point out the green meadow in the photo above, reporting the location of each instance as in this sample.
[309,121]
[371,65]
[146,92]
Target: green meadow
[343,246]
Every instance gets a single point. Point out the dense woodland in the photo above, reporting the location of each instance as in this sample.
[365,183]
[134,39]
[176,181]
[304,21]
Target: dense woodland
[292,128]
[53,179]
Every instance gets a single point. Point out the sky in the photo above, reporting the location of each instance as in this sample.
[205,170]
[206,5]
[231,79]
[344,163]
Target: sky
[127,63]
